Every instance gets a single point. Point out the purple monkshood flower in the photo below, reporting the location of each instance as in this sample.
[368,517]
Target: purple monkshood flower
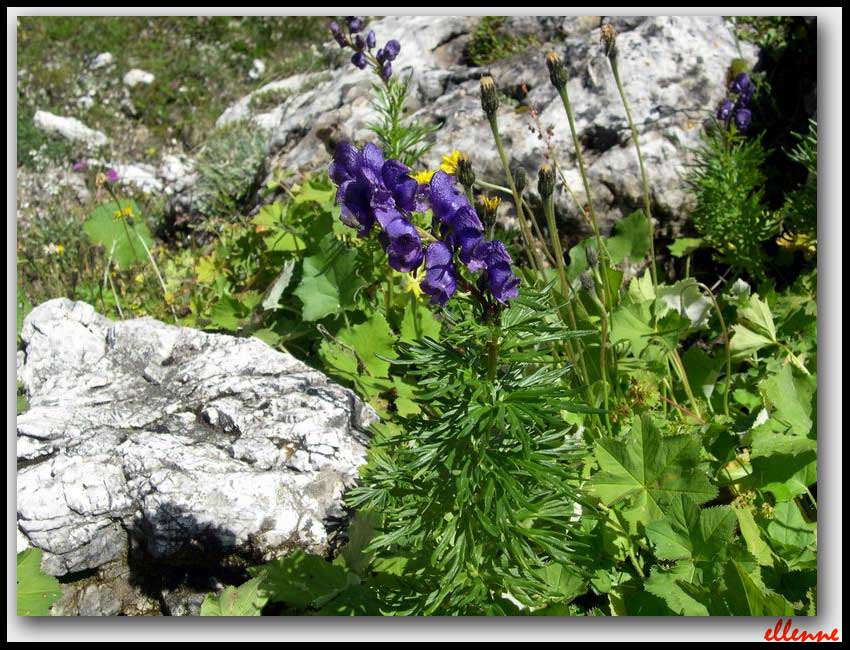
[371,40]
[742,118]
[440,280]
[391,49]
[359,43]
[386,71]
[111,176]
[724,112]
[740,84]
[504,285]
[355,24]
[359,59]
[400,239]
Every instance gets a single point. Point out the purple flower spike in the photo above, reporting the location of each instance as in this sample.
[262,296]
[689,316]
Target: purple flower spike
[359,59]
[391,49]
[111,176]
[724,112]
[355,24]
[743,117]
[371,40]
[386,71]
[740,84]
[440,281]
[504,285]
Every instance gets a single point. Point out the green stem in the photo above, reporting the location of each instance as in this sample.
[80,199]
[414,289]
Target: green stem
[493,354]
[644,180]
[523,224]
[603,344]
[601,247]
[727,347]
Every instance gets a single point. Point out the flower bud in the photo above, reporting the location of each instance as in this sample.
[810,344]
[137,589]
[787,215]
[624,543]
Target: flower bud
[489,97]
[371,39]
[592,257]
[359,59]
[355,24]
[386,71]
[609,41]
[557,74]
[586,281]
[359,43]
[465,175]
[391,49]
[546,181]
[520,178]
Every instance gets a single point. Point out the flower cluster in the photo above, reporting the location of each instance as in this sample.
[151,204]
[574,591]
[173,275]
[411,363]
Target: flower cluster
[738,111]
[350,36]
[373,191]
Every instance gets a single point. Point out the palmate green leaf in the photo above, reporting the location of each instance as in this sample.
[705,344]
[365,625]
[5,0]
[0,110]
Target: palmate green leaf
[418,321]
[244,600]
[689,533]
[685,246]
[126,234]
[792,537]
[665,584]
[630,242]
[649,470]
[328,281]
[358,349]
[37,591]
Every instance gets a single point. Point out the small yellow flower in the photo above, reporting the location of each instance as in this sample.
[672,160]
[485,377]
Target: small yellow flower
[412,285]
[424,177]
[169,298]
[123,213]
[60,249]
[491,203]
[450,162]
[139,278]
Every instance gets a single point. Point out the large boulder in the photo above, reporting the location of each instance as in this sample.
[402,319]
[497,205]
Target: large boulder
[147,445]
[673,70]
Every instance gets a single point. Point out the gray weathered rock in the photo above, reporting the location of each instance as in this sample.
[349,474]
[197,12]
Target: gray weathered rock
[673,69]
[136,76]
[175,442]
[69,128]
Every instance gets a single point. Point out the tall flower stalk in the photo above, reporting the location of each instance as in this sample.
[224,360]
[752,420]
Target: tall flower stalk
[609,42]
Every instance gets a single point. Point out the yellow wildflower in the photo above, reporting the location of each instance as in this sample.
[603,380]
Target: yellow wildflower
[123,213]
[139,278]
[450,162]
[491,203]
[423,177]
[411,284]
[60,248]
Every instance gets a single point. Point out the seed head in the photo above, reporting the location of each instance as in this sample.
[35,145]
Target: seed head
[489,97]
[557,74]
[546,181]
[465,175]
[609,41]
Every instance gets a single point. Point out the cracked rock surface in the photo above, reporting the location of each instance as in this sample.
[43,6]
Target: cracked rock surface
[175,443]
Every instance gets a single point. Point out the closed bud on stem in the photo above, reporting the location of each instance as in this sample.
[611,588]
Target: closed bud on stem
[592,257]
[586,281]
[557,73]
[546,181]
[465,175]
[609,41]
[520,178]
[489,97]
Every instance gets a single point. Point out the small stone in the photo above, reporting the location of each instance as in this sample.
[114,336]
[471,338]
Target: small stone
[102,60]
[69,128]
[136,76]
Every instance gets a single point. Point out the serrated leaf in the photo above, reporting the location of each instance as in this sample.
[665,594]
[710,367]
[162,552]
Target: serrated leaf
[244,600]
[418,321]
[328,281]
[358,349]
[649,470]
[747,595]
[791,399]
[103,227]
[752,536]
[666,584]
[36,590]
[689,533]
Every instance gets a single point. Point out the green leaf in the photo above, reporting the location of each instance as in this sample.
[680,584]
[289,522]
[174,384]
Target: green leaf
[37,591]
[418,321]
[271,300]
[103,227]
[752,536]
[630,240]
[791,398]
[747,595]
[649,470]
[227,313]
[631,323]
[357,349]
[685,246]
[757,314]
[329,280]
[301,580]
[361,530]
[244,600]
[665,583]
[745,342]
[689,533]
